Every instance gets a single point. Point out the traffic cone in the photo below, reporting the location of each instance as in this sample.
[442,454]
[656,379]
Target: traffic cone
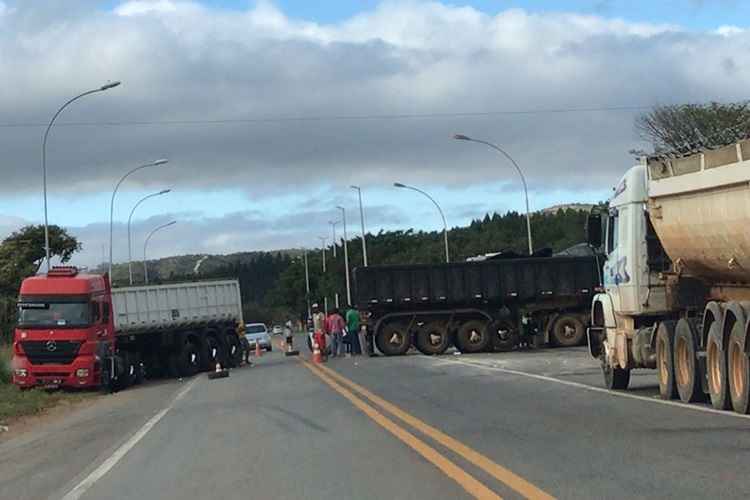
[258,352]
[317,357]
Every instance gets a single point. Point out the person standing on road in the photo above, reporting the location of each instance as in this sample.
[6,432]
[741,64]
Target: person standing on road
[335,325]
[352,326]
[319,328]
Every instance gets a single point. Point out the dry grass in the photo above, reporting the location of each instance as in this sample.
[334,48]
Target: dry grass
[17,403]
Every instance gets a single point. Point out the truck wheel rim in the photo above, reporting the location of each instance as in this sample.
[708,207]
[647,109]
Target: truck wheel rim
[682,358]
[738,361]
[568,331]
[714,369]
[474,337]
[434,339]
[661,350]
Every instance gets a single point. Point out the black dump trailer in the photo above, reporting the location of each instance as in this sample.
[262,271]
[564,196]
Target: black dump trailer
[495,304]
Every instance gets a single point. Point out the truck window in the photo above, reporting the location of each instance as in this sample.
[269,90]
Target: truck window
[613,227]
[54,314]
[95,316]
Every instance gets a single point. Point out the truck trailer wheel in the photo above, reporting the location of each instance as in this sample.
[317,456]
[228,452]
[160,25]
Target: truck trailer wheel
[665,360]
[615,378]
[189,359]
[568,331]
[473,336]
[686,370]
[393,339]
[433,338]
[716,366]
[739,370]
[234,349]
[504,335]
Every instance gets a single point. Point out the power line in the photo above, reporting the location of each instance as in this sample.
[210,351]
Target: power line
[281,119]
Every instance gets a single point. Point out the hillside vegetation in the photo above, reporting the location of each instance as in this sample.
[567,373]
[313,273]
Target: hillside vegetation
[273,283]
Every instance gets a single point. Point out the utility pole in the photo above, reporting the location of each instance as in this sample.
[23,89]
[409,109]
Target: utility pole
[346,259]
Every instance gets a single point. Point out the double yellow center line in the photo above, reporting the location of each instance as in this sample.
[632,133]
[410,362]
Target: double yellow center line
[475,488]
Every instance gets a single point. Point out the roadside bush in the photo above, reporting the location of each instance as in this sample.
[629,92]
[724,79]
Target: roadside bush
[5,354]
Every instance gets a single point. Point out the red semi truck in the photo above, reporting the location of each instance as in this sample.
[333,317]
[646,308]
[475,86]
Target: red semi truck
[74,330]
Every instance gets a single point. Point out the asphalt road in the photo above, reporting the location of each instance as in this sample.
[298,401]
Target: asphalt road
[512,425]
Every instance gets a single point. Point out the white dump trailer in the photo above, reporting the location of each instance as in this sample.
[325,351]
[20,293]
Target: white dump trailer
[182,328]
[677,277]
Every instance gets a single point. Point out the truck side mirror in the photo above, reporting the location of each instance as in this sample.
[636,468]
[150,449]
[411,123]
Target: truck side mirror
[594,229]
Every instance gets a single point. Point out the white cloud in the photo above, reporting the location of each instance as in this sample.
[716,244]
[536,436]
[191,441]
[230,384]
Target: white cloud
[183,61]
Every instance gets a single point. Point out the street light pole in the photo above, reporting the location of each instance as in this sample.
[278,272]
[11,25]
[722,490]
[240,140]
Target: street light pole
[462,137]
[362,220]
[130,247]
[112,204]
[307,285]
[346,258]
[445,224]
[145,245]
[333,229]
[323,240]
[44,160]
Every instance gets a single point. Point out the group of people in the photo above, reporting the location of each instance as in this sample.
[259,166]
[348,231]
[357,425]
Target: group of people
[344,333]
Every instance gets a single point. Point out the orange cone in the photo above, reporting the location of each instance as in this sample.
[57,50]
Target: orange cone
[317,356]
[258,352]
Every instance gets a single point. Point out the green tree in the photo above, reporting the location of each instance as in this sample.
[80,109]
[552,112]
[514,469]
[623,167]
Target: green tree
[21,255]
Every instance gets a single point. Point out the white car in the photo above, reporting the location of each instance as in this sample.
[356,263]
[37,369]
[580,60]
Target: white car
[258,333]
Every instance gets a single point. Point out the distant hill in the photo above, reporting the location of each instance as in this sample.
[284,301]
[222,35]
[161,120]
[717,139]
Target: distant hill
[189,266]
[581,207]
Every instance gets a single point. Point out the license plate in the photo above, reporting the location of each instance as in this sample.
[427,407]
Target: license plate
[52,384]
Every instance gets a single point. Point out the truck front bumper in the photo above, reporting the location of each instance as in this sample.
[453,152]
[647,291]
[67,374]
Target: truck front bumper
[83,372]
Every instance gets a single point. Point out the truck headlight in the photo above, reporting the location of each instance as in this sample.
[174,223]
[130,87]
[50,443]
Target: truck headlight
[21,372]
[82,372]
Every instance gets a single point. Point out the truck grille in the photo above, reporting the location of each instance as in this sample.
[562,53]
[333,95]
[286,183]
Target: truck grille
[46,352]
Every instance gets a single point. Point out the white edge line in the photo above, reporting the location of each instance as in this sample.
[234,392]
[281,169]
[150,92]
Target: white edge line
[110,462]
[684,406]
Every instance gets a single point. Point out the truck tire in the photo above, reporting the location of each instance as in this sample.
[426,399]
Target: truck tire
[393,339]
[686,370]
[473,336]
[433,338]
[739,370]
[140,370]
[665,360]
[214,353]
[189,359]
[504,335]
[716,366]
[615,378]
[568,331]
[234,349]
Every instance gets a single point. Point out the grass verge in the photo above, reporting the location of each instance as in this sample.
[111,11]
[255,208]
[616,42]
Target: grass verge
[17,403]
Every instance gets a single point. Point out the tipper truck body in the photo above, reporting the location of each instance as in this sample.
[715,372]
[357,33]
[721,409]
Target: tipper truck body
[75,331]
[677,277]
[494,304]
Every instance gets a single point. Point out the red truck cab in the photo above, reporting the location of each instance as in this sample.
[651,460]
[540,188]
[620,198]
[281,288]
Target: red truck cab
[65,330]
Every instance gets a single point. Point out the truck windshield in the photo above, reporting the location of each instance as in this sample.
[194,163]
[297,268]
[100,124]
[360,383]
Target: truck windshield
[46,314]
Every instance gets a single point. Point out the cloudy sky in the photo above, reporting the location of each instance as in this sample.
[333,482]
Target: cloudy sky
[269,111]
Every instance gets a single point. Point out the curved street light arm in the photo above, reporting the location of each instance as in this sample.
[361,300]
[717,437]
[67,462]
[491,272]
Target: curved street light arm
[112,204]
[44,160]
[145,246]
[520,173]
[440,211]
[130,218]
